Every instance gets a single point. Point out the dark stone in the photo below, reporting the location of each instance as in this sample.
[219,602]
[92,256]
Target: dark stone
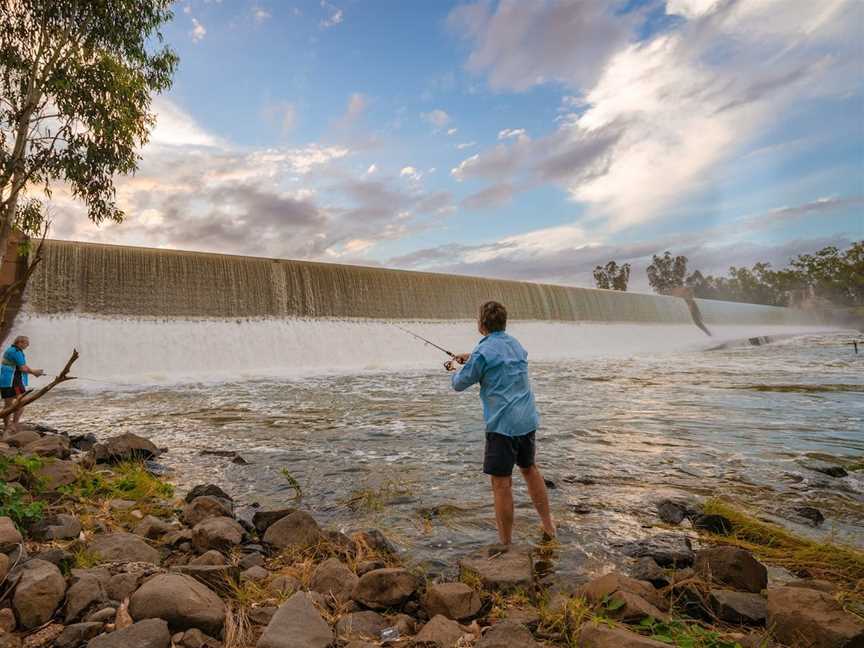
[576,479]
[713,524]
[152,633]
[743,608]
[550,484]
[124,447]
[646,569]
[240,461]
[832,470]
[83,442]
[580,509]
[667,549]
[734,567]
[207,489]
[57,556]
[263,520]
[671,512]
[77,634]
[813,515]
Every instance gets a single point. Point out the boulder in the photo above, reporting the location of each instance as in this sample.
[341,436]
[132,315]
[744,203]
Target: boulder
[440,632]
[824,467]
[263,520]
[124,447]
[262,615]
[740,608]
[10,536]
[671,511]
[361,625]
[86,591]
[220,533]
[152,633]
[38,594]
[254,574]
[804,617]
[383,588]
[206,507]
[602,588]
[22,438]
[121,586]
[594,635]
[645,569]
[123,547]
[251,560]
[296,624]
[455,601]
[507,634]
[212,558]
[283,585]
[376,541]
[299,529]
[811,514]
[667,549]
[55,473]
[152,528]
[105,615]
[83,442]
[334,577]
[4,566]
[194,638]
[77,634]
[731,566]
[7,620]
[51,445]
[180,600]
[501,567]
[207,489]
[56,527]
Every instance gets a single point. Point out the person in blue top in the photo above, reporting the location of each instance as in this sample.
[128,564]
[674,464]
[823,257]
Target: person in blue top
[13,379]
[500,365]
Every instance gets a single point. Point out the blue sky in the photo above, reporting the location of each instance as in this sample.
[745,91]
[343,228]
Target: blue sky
[527,140]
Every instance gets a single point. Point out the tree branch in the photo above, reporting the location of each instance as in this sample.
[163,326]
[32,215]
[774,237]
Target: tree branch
[26,399]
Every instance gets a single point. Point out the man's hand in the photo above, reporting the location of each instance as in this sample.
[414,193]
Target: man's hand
[462,358]
[38,372]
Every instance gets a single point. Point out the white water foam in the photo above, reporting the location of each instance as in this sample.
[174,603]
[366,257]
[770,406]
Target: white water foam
[141,352]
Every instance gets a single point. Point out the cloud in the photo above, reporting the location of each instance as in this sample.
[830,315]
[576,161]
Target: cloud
[437,118]
[411,173]
[198,31]
[509,133]
[334,15]
[464,145]
[493,196]
[452,131]
[260,14]
[372,169]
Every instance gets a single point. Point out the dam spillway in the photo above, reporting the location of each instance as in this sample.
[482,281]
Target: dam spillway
[148,314]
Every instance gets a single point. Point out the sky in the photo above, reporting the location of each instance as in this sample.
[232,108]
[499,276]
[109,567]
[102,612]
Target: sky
[520,139]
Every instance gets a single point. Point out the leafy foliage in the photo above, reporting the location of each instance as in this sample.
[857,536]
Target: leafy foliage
[684,635]
[612,276]
[17,504]
[666,273]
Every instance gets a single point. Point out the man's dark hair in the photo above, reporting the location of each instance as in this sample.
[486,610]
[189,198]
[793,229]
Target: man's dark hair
[493,316]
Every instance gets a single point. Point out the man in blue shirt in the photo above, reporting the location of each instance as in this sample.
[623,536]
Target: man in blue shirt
[500,365]
[13,379]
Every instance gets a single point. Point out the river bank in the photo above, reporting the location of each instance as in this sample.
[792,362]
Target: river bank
[99,551]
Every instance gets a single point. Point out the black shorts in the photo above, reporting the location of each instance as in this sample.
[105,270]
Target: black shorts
[503,452]
[11,392]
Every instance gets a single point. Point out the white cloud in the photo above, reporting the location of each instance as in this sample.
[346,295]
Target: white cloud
[511,133]
[372,169]
[464,145]
[176,127]
[198,31]
[452,131]
[437,118]
[411,173]
[334,15]
[260,14]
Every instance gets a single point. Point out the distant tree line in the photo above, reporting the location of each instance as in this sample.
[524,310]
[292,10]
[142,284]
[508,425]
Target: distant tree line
[829,274]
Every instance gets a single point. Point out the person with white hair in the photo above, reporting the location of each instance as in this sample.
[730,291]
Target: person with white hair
[13,380]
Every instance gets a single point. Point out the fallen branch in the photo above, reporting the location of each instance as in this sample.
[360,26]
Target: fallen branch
[26,399]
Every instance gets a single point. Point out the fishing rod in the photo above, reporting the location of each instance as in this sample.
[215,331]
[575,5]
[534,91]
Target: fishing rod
[452,355]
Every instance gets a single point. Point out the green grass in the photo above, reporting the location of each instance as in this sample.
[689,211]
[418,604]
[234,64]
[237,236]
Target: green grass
[130,481]
[685,635]
[18,505]
[292,481]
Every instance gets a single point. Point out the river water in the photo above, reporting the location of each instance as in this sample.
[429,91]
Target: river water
[400,451]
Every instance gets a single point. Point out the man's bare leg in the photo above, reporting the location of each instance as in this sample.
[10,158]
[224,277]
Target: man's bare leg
[8,429]
[502,489]
[537,491]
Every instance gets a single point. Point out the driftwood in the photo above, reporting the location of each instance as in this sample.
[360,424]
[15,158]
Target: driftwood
[26,399]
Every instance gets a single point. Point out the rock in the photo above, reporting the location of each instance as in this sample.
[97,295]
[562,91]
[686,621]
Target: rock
[121,504]
[22,438]
[38,594]
[251,560]
[594,635]
[211,557]
[9,641]
[55,473]
[124,447]
[455,601]
[368,565]
[667,549]
[671,512]
[405,624]
[262,615]
[296,624]
[299,529]
[254,574]
[507,634]
[713,524]
[105,615]
[57,556]
[501,567]
[813,515]
[361,624]
[604,587]
[740,608]
[645,569]
[77,634]
[441,632]
[121,586]
[804,617]
[376,541]
[334,577]
[56,527]
[220,533]
[85,592]
[210,490]
[124,547]
[83,442]
[284,585]
[152,633]
[49,446]
[814,584]
[4,566]
[383,588]
[263,520]
[7,620]
[194,638]
[358,643]
[830,469]
[181,600]
[177,537]
[526,616]
[731,566]
[216,577]
[10,536]
[152,528]
[206,507]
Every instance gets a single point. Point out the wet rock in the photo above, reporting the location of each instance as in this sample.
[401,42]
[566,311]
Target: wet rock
[507,634]
[334,577]
[283,585]
[210,490]
[152,528]
[731,566]
[212,558]
[22,438]
[440,631]
[251,560]
[10,536]
[375,540]
[262,520]
[152,633]
[56,527]
[124,547]
[83,442]
[56,473]
[220,533]
[217,577]
[296,624]
[77,634]
[206,507]
[254,574]
[180,600]
[713,524]
[85,592]
[341,542]
[49,446]
[813,515]
[826,468]
[455,601]
[671,511]
[800,616]
[39,592]
[361,625]
[667,549]
[124,447]
[299,529]
[741,608]
[594,635]
[501,567]
[646,569]
[383,588]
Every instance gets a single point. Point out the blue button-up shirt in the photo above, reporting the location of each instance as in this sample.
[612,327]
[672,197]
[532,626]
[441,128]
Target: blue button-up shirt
[13,358]
[500,365]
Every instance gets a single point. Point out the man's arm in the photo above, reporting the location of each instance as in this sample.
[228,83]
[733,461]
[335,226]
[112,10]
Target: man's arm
[470,373]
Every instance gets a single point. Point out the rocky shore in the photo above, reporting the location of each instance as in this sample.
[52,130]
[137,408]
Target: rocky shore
[95,550]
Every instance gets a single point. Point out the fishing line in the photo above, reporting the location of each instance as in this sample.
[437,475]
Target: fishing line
[432,344]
